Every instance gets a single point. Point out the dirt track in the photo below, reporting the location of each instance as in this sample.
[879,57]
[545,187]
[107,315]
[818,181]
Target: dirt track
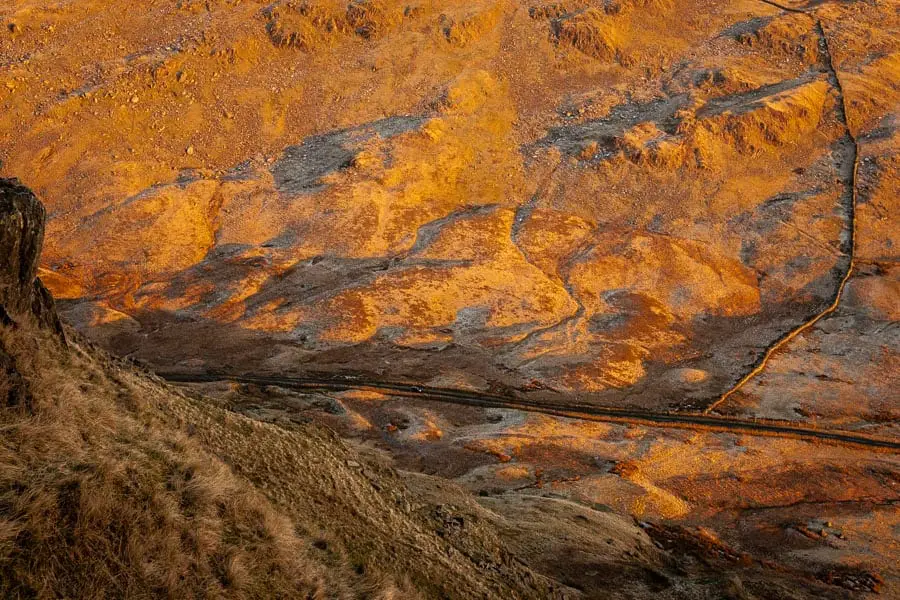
[572,410]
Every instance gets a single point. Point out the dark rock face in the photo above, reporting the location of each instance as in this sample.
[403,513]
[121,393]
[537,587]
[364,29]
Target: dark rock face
[22,295]
[21,237]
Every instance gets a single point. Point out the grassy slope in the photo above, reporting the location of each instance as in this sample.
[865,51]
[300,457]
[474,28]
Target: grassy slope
[114,485]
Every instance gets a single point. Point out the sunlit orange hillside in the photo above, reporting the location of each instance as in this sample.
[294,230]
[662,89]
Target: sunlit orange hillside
[632,198]
[660,206]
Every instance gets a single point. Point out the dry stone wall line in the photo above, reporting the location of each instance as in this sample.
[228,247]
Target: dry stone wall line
[785,339]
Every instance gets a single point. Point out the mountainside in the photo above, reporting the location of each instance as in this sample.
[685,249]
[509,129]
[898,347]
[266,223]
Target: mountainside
[631,200]
[114,485]
[487,299]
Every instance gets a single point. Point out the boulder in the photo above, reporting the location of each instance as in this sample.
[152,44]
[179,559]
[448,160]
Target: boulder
[22,295]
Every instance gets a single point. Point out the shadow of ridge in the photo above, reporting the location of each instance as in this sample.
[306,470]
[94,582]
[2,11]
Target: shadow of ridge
[312,280]
[722,347]
[173,341]
[622,117]
[302,166]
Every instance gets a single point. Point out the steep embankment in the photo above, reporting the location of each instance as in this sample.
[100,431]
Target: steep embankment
[114,485]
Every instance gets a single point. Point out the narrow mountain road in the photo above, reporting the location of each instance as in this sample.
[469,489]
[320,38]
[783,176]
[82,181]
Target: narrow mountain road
[705,421]
[573,410]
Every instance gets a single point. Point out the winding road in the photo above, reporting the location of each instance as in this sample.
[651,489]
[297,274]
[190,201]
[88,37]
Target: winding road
[706,421]
[573,410]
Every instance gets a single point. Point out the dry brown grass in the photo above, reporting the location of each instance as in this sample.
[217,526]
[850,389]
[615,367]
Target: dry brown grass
[95,502]
[113,485]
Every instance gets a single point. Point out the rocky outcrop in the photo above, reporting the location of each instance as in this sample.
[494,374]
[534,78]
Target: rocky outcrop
[22,295]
